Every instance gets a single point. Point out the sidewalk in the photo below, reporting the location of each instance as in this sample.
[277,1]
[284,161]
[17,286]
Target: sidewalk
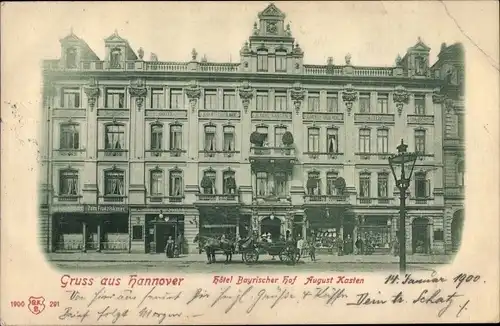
[193,258]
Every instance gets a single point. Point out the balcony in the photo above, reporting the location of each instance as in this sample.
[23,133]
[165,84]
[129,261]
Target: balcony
[69,153]
[265,158]
[326,199]
[161,199]
[119,154]
[218,199]
[159,153]
[456,192]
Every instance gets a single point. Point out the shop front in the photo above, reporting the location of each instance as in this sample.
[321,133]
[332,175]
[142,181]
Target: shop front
[329,226]
[216,221]
[96,228]
[376,234]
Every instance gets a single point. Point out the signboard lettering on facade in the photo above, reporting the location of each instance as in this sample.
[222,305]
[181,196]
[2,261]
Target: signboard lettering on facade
[332,117]
[219,114]
[272,115]
[106,209]
[112,113]
[421,119]
[68,208]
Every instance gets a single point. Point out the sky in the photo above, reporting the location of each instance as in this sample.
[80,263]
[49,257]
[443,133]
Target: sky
[373,32]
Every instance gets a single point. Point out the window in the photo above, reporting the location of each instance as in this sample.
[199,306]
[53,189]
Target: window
[422,185]
[156,137]
[261,183]
[382,103]
[278,136]
[280,61]
[71,58]
[332,103]
[313,179]
[229,139]
[383,179]
[157,99]
[176,98]
[263,131]
[229,100]
[227,182]
[137,231]
[313,102]
[262,101]
[280,184]
[364,140]
[175,189]
[420,141]
[115,98]
[382,140]
[460,126]
[114,137]
[313,137]
[70,136]
[114,183]
[212,177]
[364,185]
[460,174]
[210,138]
[364,103]
[175,137]
[70,98]
[280,101]
[419,105]
[331,190]
[332,136]
[115,58]
[68,183]
[210,100]
[156,183]
[262,61]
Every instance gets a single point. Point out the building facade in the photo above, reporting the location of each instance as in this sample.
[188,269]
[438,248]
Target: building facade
[138,151]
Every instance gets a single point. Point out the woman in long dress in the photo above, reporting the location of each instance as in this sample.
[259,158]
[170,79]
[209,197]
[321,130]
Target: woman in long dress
[169,249]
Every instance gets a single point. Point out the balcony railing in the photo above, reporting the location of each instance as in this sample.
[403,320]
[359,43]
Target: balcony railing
[162,153]
[322,199]
[272,151]
[217,198]
[214,67]
[456,191]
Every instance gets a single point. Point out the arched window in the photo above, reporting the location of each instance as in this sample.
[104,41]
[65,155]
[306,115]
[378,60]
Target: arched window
[69,136]
[71,58]
[331,190]
[228,182]
[364,185]
[114,181]
[175,180]
[209,175]
[175,137]
[313,139]
[156,137]
[461,174]
[210,141]
[114,137]
[313,184]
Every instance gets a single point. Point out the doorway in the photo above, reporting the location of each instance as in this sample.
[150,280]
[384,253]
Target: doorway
[457,224]
[420,236]
[272,226]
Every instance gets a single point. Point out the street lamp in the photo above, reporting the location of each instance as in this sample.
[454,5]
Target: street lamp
[404,163]
[271,216]
[160,216]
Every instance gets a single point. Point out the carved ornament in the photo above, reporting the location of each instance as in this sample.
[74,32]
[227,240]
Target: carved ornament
[297,94]
[246,94]
[349,96]
[400,97]
[193,92]
[92,92]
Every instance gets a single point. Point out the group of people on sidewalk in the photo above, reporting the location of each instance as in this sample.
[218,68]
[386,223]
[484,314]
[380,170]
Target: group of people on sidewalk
[173,248]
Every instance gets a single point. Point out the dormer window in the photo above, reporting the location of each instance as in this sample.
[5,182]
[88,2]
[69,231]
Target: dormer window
[280,61]
[115,58]
[71,58]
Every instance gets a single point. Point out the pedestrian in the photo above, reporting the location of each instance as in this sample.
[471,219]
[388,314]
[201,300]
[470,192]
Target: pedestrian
[169,248]
[359,246]
[300,245]
[312,250]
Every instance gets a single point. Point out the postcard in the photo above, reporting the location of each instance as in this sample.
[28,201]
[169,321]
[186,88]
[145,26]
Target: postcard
[254,162]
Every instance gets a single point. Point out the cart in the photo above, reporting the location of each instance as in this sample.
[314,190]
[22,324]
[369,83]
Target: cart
[286,251]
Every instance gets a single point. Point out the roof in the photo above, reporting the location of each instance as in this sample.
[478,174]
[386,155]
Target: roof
[420,46]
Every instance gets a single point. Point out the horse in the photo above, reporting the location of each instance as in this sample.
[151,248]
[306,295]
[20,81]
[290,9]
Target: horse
[211,245]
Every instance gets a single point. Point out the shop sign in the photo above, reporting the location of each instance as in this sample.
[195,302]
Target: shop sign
[67,208]
[106,209]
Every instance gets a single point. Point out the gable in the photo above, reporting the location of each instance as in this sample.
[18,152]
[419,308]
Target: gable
[115,38]
[271,12]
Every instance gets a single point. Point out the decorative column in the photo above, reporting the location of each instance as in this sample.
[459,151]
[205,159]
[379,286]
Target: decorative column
[92,91]
[193,94]
[99,236]
[349,96]
[431,236]
[191,229]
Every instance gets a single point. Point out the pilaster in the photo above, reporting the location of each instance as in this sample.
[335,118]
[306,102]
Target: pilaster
[191,229]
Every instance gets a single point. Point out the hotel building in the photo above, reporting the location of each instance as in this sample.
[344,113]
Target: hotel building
[137,151]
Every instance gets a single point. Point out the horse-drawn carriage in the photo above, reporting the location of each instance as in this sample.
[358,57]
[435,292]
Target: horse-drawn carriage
[286,251]
[249,248]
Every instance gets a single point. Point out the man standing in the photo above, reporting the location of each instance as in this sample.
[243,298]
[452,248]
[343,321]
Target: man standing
[300,245]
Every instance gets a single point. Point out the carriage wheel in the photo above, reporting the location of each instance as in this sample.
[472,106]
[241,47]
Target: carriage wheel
[251,256]
[284,256]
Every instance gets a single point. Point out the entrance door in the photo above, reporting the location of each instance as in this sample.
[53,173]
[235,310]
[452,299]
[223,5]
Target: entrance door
[456,230]
[272,226]
[420,236]
[161,237]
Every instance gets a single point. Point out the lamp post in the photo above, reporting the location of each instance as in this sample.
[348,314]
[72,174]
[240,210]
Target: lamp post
[404,163]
